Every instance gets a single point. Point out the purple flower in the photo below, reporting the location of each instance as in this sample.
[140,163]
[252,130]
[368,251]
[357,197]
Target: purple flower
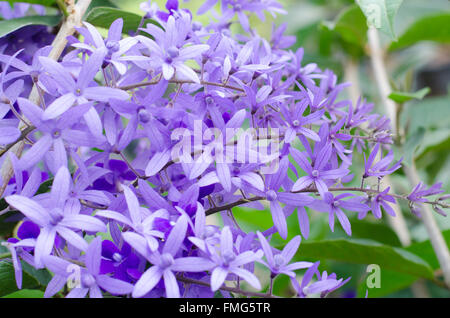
[219,146]
[228,261]
[139,115]
[122,263]
[297,122]
[378,201]
[164,264]
[333,205]
[172,8]
[168,51]
[90,279]
[55,133]
[290,199]
[316,172]
[137,220]
[418,194]
[379,169]
[324,285]
[279,263]
[420,191]
[56,218]
[153,128]
[113,48]
[117,173]
[80,91]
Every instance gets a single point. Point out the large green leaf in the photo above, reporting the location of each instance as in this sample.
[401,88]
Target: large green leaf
[432,28]
[391,282]
[100,3]
[361,251]
[43,276]
[351,25]
[374,231]
[431,112]
[381,14]
[8,280]
[103,17]
[425,250]
[26,293]
[412,143]
[46,3]
[8,26]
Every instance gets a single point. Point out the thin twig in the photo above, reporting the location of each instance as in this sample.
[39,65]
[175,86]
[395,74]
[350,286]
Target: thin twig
[178,81]
[23,135]
[313,190]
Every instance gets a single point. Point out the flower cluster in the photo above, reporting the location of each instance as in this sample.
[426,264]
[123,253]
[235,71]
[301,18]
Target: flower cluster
[141,137]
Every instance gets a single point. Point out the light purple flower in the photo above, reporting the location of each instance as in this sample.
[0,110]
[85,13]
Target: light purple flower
[279,263]
[227,261]
[56,218]
[90,279]
[317,172]
[168,50]
[166,263]
[333,205]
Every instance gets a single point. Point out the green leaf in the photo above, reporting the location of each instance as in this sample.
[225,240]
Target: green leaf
[412,143]
[401,97]
[100,3]
[103,17]
[431,112]
[435,143]
[45,186]
[374,231]
[425,250]
[431,28]
[351,25]
[26,293]
[43,276]
[47,3]
[390,282]
[8,26]
[381,14]
[8,222]
[8,280]
[361,251]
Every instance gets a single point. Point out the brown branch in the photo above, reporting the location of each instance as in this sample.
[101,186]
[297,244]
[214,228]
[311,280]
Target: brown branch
[177,81]
[23,135]
[313,190]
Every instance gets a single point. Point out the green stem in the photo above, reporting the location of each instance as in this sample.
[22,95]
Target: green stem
[62,6]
